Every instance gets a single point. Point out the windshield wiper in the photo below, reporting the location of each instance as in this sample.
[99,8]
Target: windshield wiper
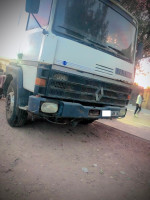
[109,48]
[120,52]
[103,46]
[91,43]
[81,38]
[98,44]
[85,39]
[74,32]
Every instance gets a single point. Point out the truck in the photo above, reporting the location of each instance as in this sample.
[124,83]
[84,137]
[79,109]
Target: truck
[70,61]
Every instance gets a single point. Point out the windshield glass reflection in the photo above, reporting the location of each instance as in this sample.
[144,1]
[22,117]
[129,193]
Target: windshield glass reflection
[95,22]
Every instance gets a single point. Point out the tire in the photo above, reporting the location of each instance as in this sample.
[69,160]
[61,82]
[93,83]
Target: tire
[87,121]
[1,93]
[15,116]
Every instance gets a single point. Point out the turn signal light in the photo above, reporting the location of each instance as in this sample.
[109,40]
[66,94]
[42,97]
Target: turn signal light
[129,97]
[40,82]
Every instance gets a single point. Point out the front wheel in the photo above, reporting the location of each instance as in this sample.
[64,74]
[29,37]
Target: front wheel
[1,93]
[15,116]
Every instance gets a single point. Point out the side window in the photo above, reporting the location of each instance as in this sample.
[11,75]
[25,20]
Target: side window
[42,16]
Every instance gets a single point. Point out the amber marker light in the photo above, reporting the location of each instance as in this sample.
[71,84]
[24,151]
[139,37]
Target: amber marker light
[129,97]
[40,82]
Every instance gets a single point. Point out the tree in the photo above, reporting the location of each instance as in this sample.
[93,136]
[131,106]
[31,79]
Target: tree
[141,10]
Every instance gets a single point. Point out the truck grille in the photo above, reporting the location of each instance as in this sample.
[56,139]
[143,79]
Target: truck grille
[81,89]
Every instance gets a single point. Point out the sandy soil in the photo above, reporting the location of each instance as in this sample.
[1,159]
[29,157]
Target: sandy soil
[43,161]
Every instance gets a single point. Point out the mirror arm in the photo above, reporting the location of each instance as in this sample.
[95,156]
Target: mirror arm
[45,32]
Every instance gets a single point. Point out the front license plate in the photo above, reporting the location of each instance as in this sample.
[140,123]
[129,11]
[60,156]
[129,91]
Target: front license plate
[106,113]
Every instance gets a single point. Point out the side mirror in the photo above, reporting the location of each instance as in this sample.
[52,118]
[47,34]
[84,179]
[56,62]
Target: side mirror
[32,6]
[139,54]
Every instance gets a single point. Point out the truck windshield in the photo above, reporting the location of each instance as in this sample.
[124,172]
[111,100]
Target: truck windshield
[96,23]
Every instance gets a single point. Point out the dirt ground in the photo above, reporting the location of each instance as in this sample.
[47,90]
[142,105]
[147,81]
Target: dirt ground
[44,161]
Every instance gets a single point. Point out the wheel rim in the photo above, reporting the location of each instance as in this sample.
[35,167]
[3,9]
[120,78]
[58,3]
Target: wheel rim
[10,104]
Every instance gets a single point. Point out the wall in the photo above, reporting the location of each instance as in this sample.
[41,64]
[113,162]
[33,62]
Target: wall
[146,103]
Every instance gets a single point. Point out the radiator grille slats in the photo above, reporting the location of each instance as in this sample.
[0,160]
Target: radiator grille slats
[82,89]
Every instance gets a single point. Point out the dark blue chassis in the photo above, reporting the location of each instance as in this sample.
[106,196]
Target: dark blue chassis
[66,109]
[70,110]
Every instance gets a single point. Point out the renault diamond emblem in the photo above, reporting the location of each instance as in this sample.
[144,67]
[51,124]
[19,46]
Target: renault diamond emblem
[99,94]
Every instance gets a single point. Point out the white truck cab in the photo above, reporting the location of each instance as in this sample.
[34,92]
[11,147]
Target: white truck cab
[75,61]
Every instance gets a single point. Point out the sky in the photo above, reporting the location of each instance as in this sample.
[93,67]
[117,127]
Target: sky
[10,12]
[143,78]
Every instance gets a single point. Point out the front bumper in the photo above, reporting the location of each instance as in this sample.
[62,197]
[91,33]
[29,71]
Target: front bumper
[74,110]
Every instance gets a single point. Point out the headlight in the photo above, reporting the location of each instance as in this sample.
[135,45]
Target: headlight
[49,107]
